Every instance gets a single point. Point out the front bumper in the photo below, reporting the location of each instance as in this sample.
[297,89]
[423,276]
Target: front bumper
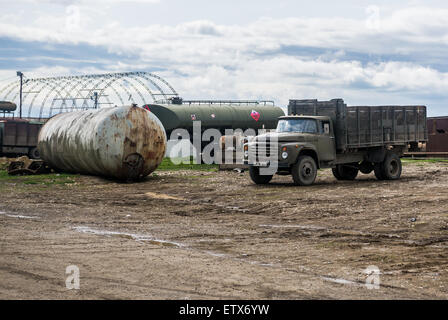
[265,164]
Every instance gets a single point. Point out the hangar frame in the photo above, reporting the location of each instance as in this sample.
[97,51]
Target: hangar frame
[45,97]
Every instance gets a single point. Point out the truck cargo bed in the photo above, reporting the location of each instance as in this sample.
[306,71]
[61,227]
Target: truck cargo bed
[367,126]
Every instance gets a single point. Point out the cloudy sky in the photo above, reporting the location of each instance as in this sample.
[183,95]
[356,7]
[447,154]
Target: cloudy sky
[366,52]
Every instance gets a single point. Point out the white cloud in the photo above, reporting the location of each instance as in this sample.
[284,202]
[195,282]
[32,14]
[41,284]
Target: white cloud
[249,60]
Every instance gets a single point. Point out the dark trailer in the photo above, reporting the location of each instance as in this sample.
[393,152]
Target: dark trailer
[19,137]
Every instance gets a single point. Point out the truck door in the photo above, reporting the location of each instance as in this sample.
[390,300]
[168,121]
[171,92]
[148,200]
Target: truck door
[326,142]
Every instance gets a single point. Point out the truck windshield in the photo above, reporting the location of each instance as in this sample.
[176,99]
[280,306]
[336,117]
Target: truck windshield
[297,125]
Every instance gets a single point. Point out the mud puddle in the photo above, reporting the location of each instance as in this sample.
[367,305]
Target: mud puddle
[133,236]
[19,216]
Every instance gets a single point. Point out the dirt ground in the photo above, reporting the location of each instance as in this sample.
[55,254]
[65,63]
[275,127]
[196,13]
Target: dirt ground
[215,235]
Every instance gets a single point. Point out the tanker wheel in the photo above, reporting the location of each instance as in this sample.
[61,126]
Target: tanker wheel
[304,172]
[345,172]
[391,167]
[257,178]
[34,153]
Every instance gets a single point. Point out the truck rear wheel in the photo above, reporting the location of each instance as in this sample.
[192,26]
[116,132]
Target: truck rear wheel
[390,168]
[304,172]
[257,178]
[345,172]
[378,169]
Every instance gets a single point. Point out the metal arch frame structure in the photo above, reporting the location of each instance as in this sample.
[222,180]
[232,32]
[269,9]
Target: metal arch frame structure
[134,87]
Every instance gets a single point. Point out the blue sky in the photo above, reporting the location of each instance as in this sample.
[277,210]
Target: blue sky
[367,52]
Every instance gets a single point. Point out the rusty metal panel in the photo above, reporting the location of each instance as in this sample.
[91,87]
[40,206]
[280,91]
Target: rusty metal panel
[20,133]
[438,134]
[33,133]
[437,143]
[438,125]
[121,142]
[9,133]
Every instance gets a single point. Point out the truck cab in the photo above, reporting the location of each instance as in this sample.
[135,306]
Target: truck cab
[310,138]
[309,133]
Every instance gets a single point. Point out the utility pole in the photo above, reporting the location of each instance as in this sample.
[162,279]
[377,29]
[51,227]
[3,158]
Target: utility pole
[95,99]
[20,74]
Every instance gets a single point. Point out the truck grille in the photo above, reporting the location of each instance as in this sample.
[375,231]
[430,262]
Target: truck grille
[262,152]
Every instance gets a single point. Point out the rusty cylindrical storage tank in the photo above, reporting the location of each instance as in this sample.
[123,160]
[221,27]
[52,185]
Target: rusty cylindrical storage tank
[120,142]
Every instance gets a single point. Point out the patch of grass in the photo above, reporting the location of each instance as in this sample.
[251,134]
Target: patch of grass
[423,161]
[42,179]
[187,164]
[3,164]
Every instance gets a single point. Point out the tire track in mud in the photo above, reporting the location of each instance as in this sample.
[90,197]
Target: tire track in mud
[177,245]
[321,232]
[165,289]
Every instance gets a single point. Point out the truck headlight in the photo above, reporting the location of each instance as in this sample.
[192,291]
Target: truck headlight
[285,155]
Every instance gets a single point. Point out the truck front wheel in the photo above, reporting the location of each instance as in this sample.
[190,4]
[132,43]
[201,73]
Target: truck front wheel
[257,178]
[304,172]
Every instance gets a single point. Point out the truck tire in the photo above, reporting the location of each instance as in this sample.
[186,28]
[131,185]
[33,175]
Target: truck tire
[345,172]
[378,169]
[392,167]
[304,172]
[366,167]
[336,173]
[34,153]
[257,178]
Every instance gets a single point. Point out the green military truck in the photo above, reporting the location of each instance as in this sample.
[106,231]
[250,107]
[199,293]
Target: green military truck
[329,134]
